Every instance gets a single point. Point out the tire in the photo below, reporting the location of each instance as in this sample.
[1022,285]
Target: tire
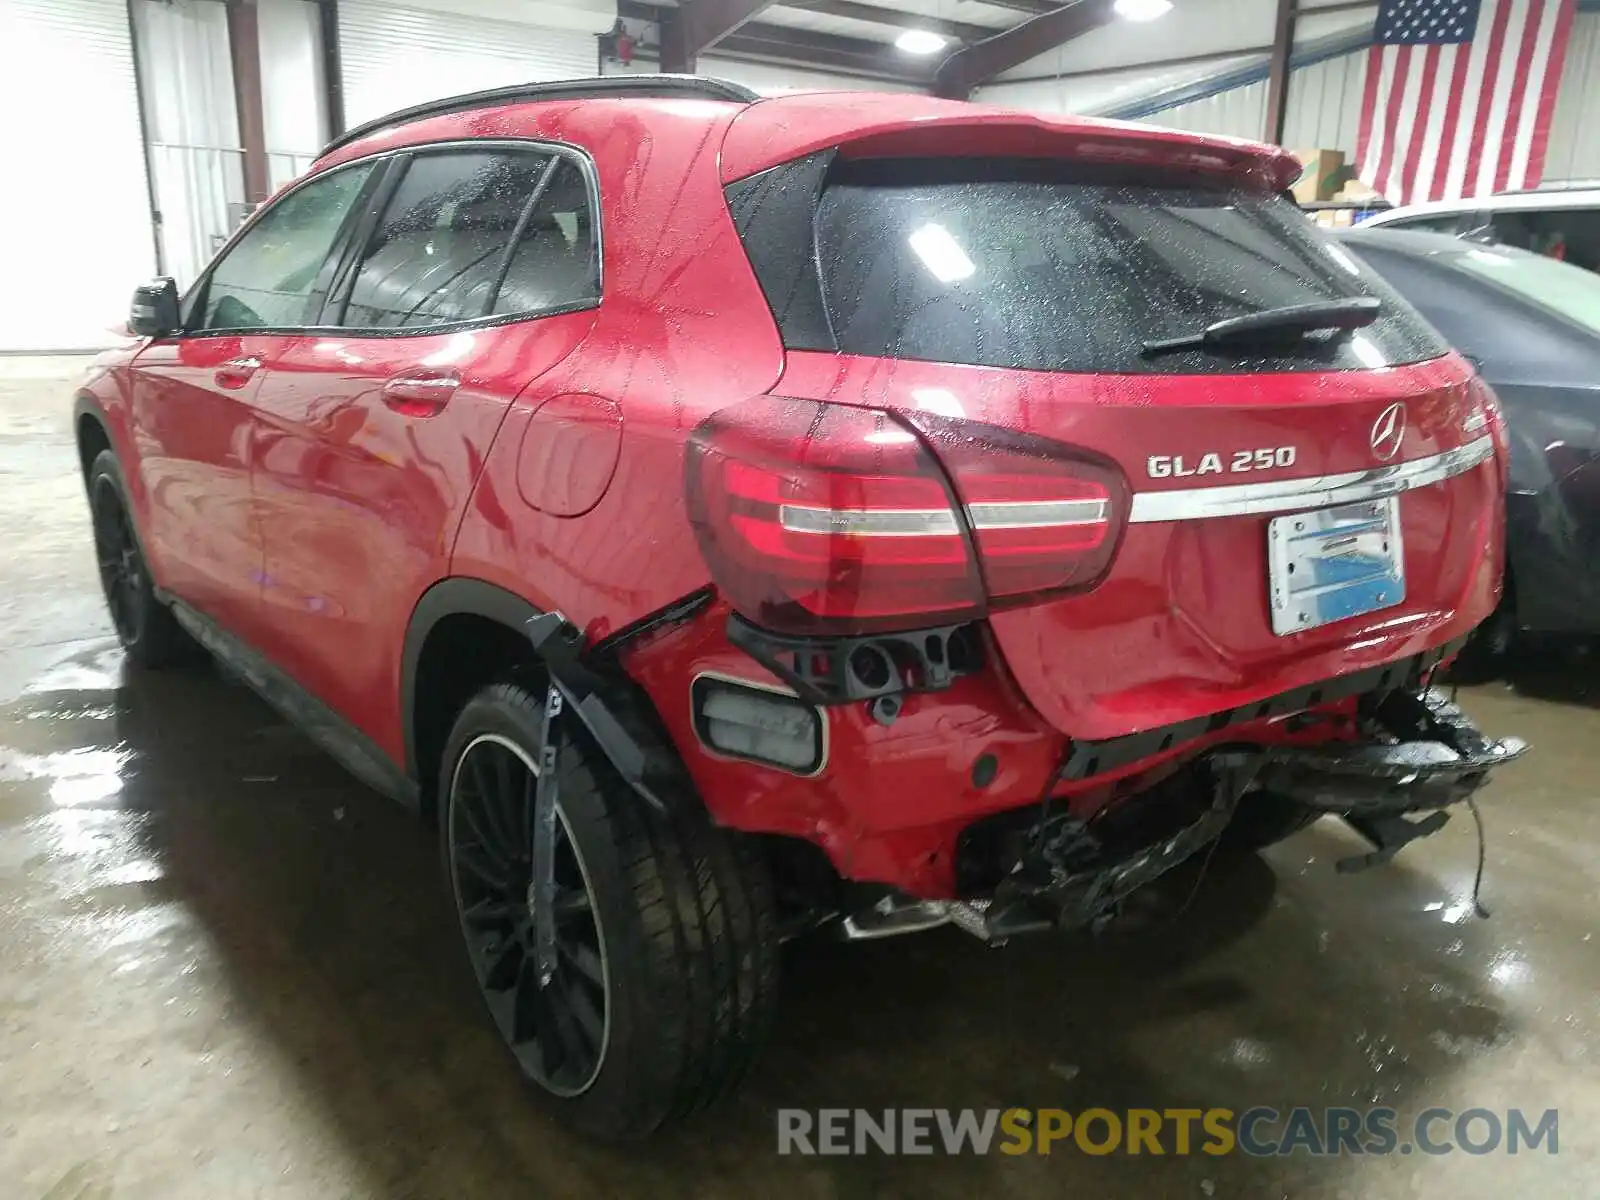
[1263,819]
[148,631]
[672,943]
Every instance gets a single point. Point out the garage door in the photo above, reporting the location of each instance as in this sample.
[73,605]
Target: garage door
[399,56]
[74,205]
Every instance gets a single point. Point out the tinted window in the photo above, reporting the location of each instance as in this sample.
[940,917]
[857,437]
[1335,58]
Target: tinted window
[556,262]
[435,256]
[266,278]
[1056,267]
[1568,234]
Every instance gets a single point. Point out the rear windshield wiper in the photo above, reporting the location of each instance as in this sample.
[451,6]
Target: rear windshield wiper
[1274,324]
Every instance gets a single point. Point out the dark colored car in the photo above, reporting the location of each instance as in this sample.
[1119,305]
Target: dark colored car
[729,516]
[1532,326]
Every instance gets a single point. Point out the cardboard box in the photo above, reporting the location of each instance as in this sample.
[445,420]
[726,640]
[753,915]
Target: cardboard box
[1322,177]
[1356,192]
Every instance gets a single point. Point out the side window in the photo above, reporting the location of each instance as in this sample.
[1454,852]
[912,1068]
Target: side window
[1567,234]
[435,256]
[265,279]
[556,262]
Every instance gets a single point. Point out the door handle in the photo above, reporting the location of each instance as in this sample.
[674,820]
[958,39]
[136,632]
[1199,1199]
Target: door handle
[420,394]
[236,372]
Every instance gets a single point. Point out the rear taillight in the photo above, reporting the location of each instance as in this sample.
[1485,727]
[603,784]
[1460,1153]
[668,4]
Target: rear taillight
[1046,517]
[1487,414]
[818,517]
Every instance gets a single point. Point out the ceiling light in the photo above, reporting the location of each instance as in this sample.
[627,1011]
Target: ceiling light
[1142,10]
[923,41]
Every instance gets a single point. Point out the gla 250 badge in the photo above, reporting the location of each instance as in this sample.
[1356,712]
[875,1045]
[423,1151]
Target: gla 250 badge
[1175,466]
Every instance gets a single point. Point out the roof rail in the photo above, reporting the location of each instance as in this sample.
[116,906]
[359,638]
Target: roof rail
[597,88]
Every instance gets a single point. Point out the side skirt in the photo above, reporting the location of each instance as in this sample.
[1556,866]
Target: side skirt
[351,748]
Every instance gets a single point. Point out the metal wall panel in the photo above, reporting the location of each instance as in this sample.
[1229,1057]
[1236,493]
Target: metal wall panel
[75,204]
[1324,104]
[1238,112]
[1573,151]
[394,57]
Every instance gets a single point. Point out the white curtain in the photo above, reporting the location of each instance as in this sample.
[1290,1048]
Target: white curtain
[192,124]
[293,96]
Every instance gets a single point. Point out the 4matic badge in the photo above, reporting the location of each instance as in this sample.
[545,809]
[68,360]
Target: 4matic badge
[1176,466]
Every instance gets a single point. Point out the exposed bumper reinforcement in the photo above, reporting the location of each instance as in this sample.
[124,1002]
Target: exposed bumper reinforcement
[1422,754]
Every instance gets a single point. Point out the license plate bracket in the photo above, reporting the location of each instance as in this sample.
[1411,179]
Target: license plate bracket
[1331,564]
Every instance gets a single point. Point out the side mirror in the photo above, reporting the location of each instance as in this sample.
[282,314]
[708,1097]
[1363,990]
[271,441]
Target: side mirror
[154,312]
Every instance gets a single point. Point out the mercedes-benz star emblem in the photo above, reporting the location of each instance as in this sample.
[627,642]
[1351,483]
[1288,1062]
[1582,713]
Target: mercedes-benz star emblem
[1388,430]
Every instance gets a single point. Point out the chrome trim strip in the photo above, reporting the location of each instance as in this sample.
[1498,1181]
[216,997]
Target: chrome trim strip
[1316,491]
[940,522]
[1035,514]
[863,522]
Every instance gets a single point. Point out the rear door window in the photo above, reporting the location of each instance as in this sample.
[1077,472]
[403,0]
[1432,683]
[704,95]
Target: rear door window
[469,234]
[433,257]
[556,261]
[1055,266]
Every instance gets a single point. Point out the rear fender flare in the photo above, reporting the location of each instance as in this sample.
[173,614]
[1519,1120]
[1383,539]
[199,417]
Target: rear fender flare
[450,597]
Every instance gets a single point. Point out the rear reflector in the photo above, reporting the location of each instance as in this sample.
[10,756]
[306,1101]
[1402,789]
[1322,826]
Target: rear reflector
[744,721]
[825,518]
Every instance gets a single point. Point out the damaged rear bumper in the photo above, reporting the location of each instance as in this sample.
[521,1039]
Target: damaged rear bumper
[1422,755]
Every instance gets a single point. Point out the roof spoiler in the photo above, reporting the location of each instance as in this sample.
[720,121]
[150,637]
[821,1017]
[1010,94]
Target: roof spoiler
[600,87]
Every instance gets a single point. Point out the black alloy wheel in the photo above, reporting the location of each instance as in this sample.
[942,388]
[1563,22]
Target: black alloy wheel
[121,569]
[558,1027]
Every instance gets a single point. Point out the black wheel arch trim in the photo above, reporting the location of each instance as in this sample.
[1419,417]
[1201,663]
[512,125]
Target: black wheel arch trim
[87,405]
[610,711]
[454,596]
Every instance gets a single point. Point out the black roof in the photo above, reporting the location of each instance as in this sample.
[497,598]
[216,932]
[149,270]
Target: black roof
[597,88]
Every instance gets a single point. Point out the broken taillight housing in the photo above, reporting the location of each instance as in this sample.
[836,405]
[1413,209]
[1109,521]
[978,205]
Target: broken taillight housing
[828,518]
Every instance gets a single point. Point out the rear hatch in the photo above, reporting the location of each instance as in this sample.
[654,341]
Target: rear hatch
[1268,507]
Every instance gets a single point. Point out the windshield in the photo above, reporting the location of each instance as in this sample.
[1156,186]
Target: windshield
[1057,266]
[1570,291]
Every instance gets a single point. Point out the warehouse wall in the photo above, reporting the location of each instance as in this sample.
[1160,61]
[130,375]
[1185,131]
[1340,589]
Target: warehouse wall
[772,79]
[1229,96]
[75,204]
[395,56]
[1099,91]
[1574,148]
[1121,64]
[293,96]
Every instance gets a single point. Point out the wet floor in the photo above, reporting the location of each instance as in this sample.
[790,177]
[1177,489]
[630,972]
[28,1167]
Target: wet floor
[228,970]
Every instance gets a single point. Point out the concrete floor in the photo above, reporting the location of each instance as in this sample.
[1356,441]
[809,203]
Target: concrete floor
[230,971]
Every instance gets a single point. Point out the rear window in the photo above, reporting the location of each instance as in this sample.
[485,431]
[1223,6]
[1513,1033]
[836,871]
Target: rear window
[1061,267]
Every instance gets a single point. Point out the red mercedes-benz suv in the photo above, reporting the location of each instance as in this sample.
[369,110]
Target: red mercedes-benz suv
[727,517]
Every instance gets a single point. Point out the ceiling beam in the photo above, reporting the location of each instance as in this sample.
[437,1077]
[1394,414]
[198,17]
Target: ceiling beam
[1032,7]
[1278,72]
[981,62]
[697,25]
[961,31]
[764,41]
[806,48]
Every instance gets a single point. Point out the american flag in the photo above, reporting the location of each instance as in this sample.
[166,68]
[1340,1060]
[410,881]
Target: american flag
[1459,95]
